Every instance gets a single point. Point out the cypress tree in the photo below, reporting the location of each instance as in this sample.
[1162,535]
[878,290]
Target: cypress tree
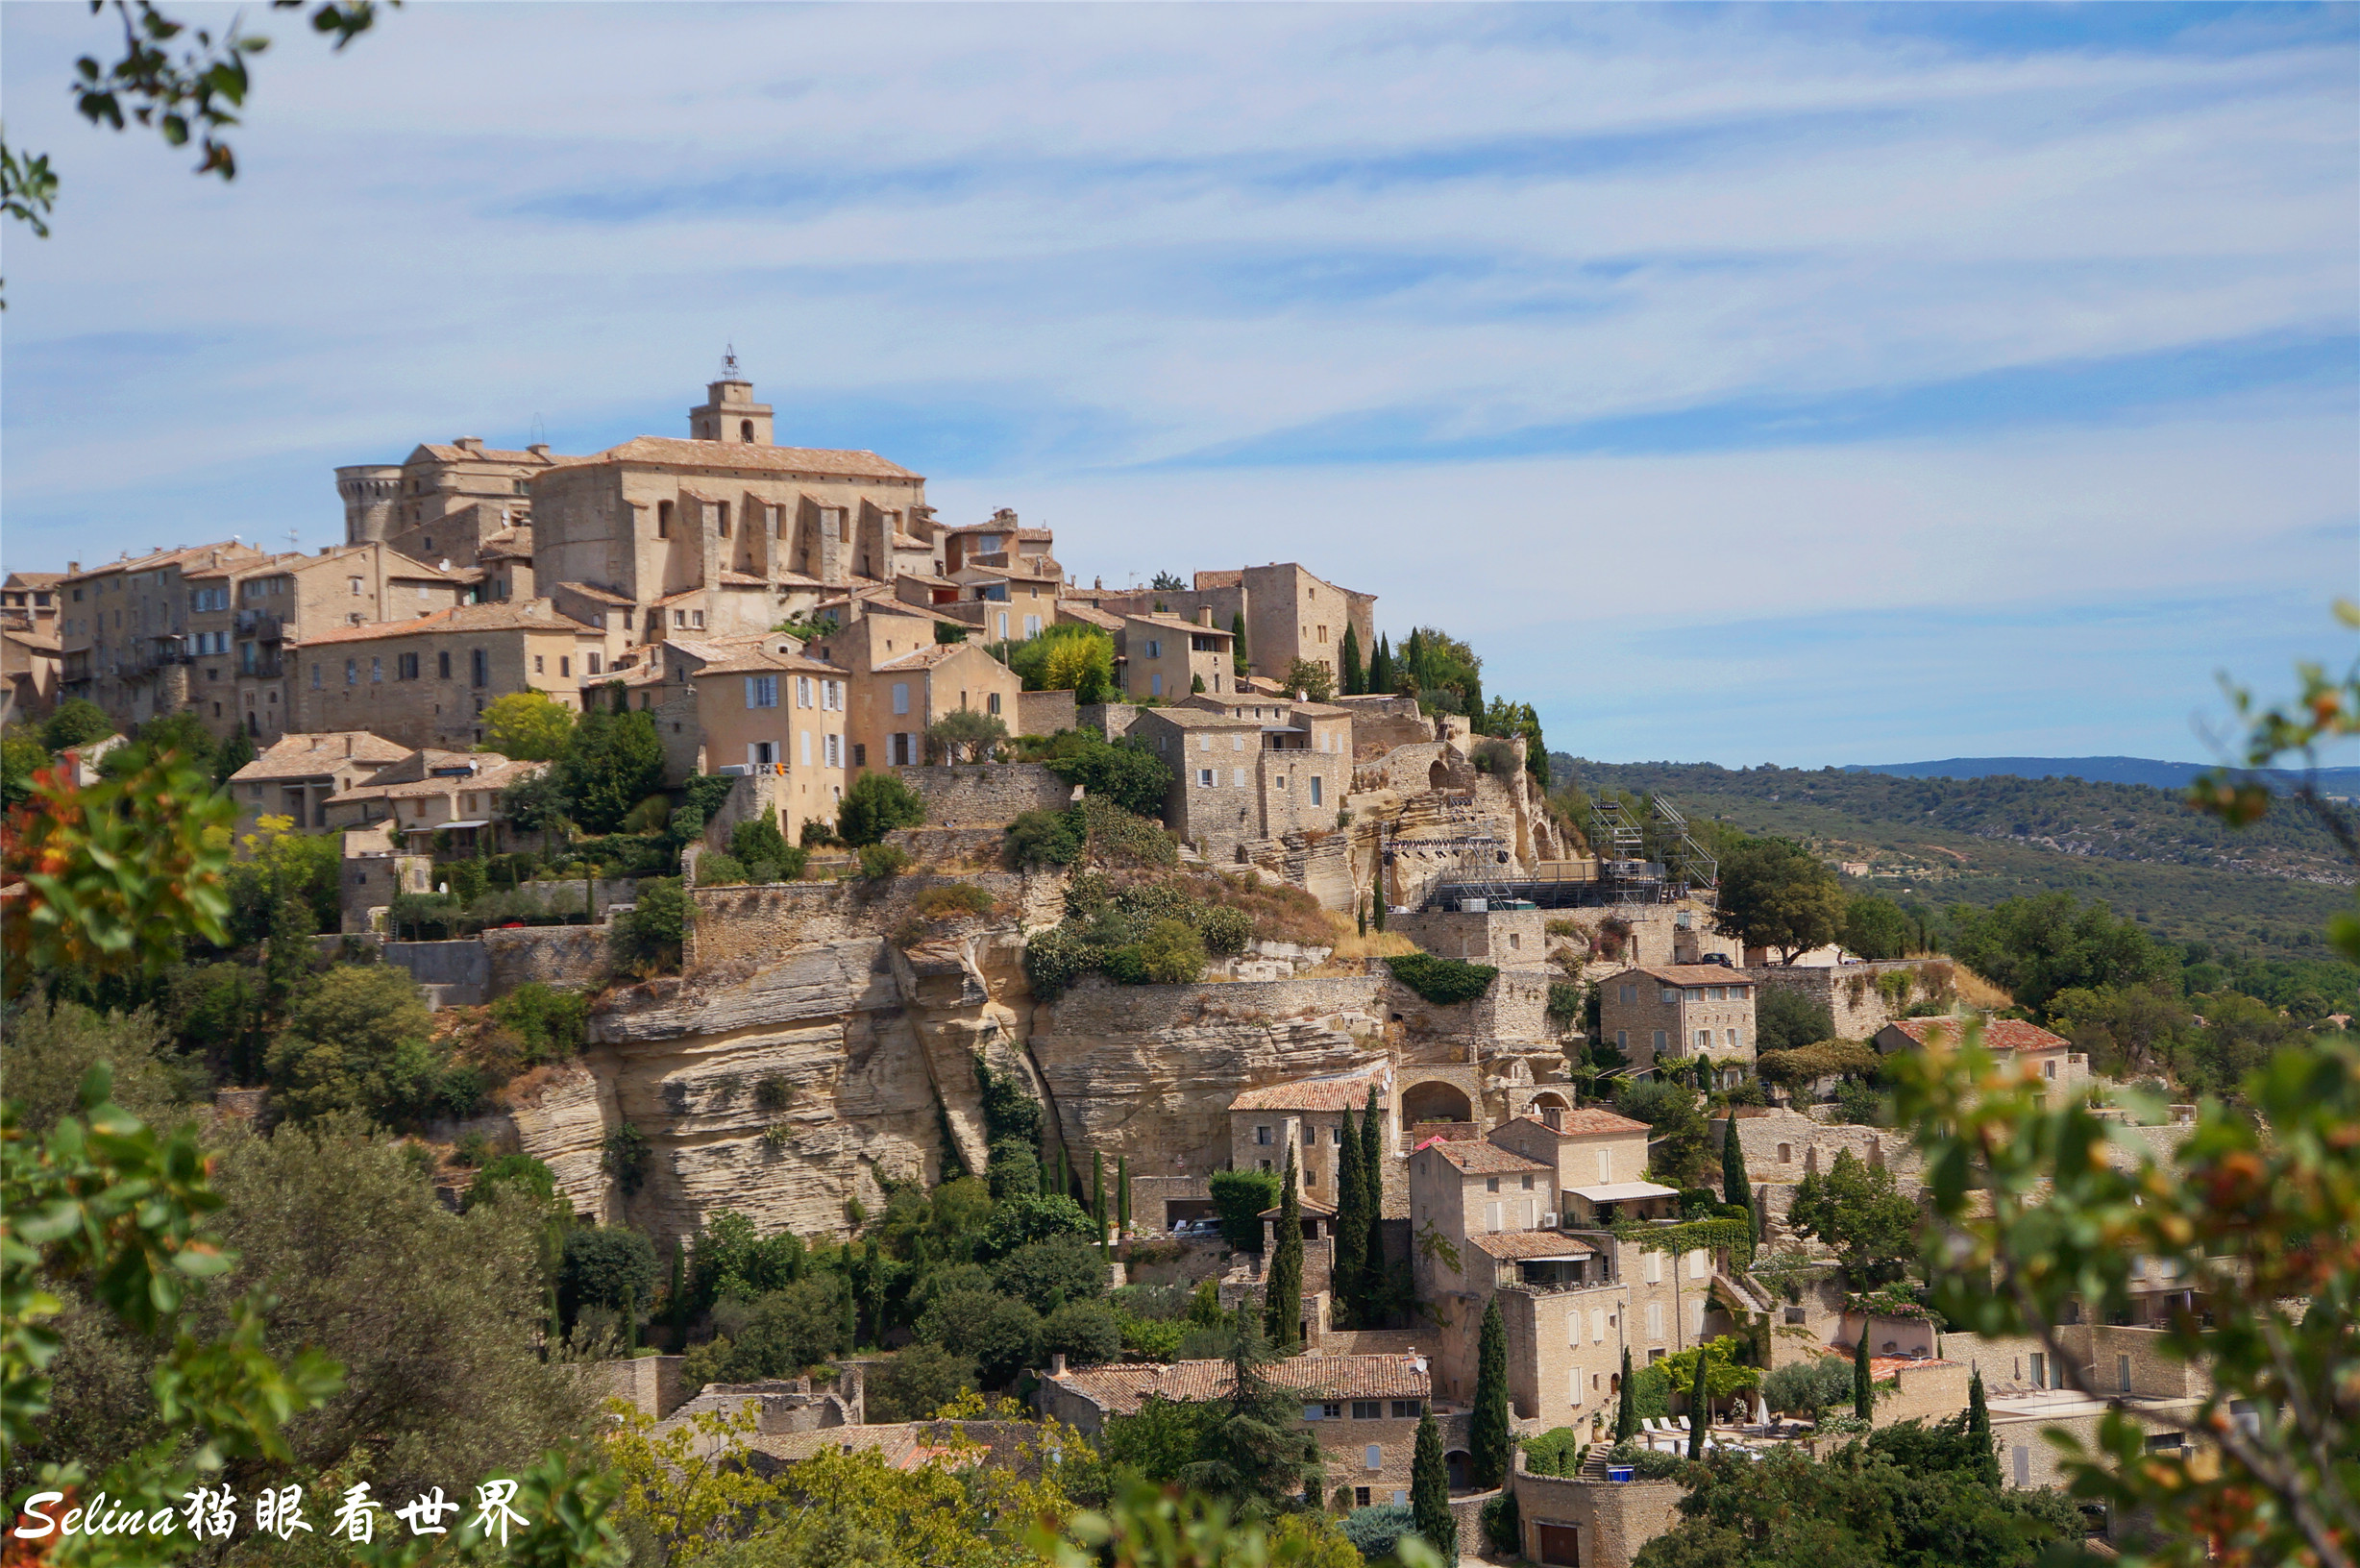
[872,1283]
[1978,1431]
[1381,667]
[1863,1386]
[1700,1407]
[1735,1186]
[677,1301]
[1488,1443]
[1413,662]
[1373,1187]
[1240,662]
[1430,1492]
[1354,681]
[1122,1193]
[1627,1410]
[1351,1222]
[1474,694]
[1282,1298]
[1097,1194]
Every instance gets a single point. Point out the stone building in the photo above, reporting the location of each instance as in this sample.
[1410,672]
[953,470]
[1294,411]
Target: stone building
[779,714]
[2050,1059]
[1364,1411]
[1306,1119]
[1237,780]
[29,601]
[441,502]
[426,682]
[1164,658]
[29,666]
[428,793]
[1289,613]
[1672,1012]
[296,775]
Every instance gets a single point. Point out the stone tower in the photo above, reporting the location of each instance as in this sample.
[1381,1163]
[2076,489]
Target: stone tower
[369,490]
[729,412]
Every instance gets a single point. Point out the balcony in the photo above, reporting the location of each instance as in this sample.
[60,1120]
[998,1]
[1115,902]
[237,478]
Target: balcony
[268,625]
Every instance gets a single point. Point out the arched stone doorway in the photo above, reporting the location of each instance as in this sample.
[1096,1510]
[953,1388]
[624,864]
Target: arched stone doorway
[1438,776]
[1461,1470]
[1435,1102]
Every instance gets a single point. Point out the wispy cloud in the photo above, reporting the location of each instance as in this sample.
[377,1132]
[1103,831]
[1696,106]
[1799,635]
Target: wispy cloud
[1531,318]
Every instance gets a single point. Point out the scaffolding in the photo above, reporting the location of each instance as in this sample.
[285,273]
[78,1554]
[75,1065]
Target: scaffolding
[1477,862]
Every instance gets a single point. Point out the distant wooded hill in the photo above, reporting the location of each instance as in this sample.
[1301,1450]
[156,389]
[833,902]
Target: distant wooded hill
[2162,775]
[1939,841]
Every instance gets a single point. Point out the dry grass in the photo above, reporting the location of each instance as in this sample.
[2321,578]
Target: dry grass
[1977,992]
[1280,913]
[1345,938]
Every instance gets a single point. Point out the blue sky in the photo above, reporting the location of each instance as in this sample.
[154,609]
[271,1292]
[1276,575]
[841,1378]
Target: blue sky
[1815,384]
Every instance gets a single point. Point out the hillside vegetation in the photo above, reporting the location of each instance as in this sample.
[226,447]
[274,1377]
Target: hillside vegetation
[2257,895]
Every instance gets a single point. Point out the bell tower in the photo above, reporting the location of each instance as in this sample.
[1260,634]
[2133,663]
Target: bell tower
[729,412]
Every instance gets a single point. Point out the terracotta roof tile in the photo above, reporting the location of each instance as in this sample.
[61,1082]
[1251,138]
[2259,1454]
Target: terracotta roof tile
[1506,1245]
[597,596]
[497,617]
[1122,1389]
[1479,1159]
[1998,1034]
[925,658]
[1587,1123]
[1691,974]
[1315,1095]
[312,753]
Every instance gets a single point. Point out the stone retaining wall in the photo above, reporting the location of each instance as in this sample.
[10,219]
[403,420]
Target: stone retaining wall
[1858,996]
[985,794]
[569,957]
[1044,713]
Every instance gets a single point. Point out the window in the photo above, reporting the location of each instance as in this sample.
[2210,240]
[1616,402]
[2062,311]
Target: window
[2040,1370]
[354,581]
[1236,777]
[1703,1039]
[1491,1216]
[1629,994]
[1492,1184]
[405,667]
[1204,778]
[1655,1318]
[1670,997]
[1797,1315]
[1405,1410]
[596,664]
[1003,626]
[538,664]
[1655,1269]
[835,750]
[663,520]
[1786,1154]
[990,704]
[806,747]
[442,665]
[352,672]
[1155,648]
[761,754]
[2048,1069]
[696,618]
[721,516]
[1368,1410]
[1597,1325]
[1315,800]
[1573,1393]
[481,667]
[565,664]
[1697,1264]
[1335,1135]
[1606,1164]
[1528,1184]
[900,748]
[1660,1041]
[803,690]
[1374,1459]
[1622,1040]
[762,691]
[860,755]
[1359,1494]
[1262,1135]
[1032,627]
[2122,1377]
[902,697]
[1155,684]
[316,670]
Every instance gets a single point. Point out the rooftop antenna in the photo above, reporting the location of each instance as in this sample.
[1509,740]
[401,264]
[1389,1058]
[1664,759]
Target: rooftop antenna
[294,542]
[729,362]
[540,431]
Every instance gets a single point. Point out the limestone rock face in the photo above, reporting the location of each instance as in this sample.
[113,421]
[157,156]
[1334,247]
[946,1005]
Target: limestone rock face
[562,1116]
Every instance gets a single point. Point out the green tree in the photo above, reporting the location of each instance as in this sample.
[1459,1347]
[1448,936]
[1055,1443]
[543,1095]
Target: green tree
[1381,677]
[2036,947]
[52,1046]
[526,726]
[76,722]
[1429,1491]
[537,803]
[234,754]
[1255,1452]
[1355,678]
[1313,678]
[1856,1209]
[1021,1220]
[1626,1403]
[1239,1200]
[1282,1294]
[1086,1333]
[1863,1384]
[1699,1408]
[798,1325]
[1777,895]
[914,1383]
[1783,1019]
[1876,928]
[182,734]
[1490,1442]
[1736,1187]
[964,735]
[1373,1280]
[1351,1222]
[522,1174]
[1001,1335]
[1122,1193]
[357,1039]
[1978,1431]
[1683,1140]
[1241,660]
[1045,1275]
[650,936]
[604,1266]
[1809,1386]
[615,761]
[21,756]
[875,806]
[1125,773]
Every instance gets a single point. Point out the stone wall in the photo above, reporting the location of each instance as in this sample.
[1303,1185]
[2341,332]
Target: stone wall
[1506,937]
[1611,1521]
[1113,720]
[985,794]
[1380,723]
[1862,999]
[461,972]
[1044,713]
[1782,1146]
[650,1385]
[569,957]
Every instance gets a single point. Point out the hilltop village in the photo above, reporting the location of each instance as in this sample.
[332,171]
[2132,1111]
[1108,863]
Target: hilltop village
[1176,901]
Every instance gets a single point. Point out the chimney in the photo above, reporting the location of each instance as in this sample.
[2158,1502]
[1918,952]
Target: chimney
[1553,1118]
[72,567]
[347,745]
[1204,615]
[539,449]
[1057,1363]
[468,443]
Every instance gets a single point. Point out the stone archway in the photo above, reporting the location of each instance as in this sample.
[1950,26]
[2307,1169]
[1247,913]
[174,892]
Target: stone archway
[1462,1467]
[1438,776]
[1435,1100]
[1549,1099]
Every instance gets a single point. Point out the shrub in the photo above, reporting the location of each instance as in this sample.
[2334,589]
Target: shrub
[356,1039]
[1055,959]
[623,1156]
[649,937]
[880,861]
[1001,1335]
[1088,1331]
[1504,1525]
[918,1381]
[963,734]
[1648,1463]
[788,1330]
[758,840]
[551,1025]
[1125,774]
[1564,1003]
[1783,1019]
[1225,930]
[1314,679]
[1377,1529]
[1014,1224]
[77,721]
[715,870]
[1172,954]
[1045,1275]
[875,806]
[1442,981]
[1115,836]
[606,1266]
[1239,1196]
[1556,1452]
[1038,839]
[950,902]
